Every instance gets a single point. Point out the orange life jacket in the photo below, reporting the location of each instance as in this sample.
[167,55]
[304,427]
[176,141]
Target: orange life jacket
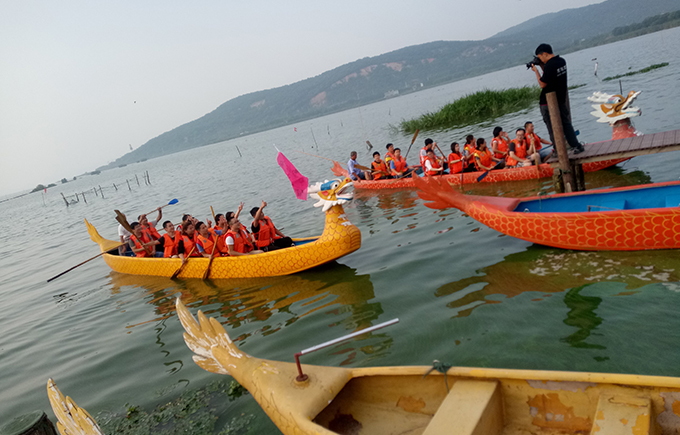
[435,165]
[423,157]
[455,168]
[266,234]
[379,167]
[170,244]
[484,158]
[241,242]
[207,243]
[152,231]
[138,245]
[501,145]
[399,165]
[388,156]
[469,148]
[536,140]
[189,243]
[520,151]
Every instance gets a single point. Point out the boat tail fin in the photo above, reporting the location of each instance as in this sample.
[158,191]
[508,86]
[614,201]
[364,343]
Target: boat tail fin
[71,419]
[203,337]
[104,244]
[439,193]
[338,170]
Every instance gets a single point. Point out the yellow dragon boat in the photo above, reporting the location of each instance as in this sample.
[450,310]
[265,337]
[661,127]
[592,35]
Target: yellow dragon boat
[416,400]
[455,400]
[339,238]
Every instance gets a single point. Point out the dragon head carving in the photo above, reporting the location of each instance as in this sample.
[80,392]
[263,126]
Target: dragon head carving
[613,108]
[330,193]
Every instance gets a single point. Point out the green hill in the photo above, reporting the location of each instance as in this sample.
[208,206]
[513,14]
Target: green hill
[406,70]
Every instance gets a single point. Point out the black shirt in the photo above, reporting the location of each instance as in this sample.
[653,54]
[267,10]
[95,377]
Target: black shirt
[555,78]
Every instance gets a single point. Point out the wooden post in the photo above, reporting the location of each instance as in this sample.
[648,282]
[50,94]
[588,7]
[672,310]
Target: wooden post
[83,195]
[128,182]
[136,178]
[147,177]
[77,199]
[560,141]
[114,186]
[239,152]
[579,177]
[35,423]
[95,191]
[101,191]
[62,195]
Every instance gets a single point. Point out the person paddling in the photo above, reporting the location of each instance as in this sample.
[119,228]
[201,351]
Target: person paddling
[170,240]
[398,166]
[455,159]
[484,160]
[267,236]
[140,242]
[205,241]
[379,168]
[238,241]
[432,164]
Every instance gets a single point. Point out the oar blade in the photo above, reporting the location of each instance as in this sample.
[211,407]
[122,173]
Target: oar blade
[173,201]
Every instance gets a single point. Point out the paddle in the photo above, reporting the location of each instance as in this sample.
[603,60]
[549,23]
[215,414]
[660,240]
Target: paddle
[172,202]
[212,257]
[179,269]
[213,213]
[412,141]
[481,177]
[120,217]
[80,264]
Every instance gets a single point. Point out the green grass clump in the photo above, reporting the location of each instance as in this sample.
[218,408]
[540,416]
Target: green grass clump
[643,70]
[576,86]
[473,108]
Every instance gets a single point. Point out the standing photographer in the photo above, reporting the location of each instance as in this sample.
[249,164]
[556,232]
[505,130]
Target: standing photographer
[554,79]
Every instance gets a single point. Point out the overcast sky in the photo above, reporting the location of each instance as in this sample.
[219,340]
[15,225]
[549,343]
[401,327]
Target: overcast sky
[81,80]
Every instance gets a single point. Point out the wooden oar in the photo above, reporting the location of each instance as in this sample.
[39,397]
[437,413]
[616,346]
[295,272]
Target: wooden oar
[172,202]
[213,213]
[440,150]
[120,217]
[481,177]
[412,141]
[80,264]
[179,269]
[212,257]
[537,160]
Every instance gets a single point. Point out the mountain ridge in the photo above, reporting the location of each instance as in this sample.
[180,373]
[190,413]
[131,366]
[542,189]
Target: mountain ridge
[397,72]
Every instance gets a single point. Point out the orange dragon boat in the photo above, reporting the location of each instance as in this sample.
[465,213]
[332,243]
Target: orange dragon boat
[613,109]
[340,237]
[621,219]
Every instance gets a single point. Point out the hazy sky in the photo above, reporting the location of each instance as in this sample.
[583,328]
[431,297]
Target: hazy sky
[80,80]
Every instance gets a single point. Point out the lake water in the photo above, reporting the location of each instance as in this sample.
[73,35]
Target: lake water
[464,294]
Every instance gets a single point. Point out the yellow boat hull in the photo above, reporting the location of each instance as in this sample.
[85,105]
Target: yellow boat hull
[465,401]
[340,237]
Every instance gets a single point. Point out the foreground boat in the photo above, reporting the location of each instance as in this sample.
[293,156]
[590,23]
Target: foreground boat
[340,237]
[457,400]
[621,219]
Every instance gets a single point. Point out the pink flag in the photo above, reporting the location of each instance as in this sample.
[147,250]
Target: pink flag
[299,181]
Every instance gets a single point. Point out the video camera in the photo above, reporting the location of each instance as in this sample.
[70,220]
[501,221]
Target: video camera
[535,61]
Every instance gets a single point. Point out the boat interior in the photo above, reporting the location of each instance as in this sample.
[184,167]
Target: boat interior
[596,201]
[413,405]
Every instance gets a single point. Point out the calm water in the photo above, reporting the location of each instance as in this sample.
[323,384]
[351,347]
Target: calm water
[465,294]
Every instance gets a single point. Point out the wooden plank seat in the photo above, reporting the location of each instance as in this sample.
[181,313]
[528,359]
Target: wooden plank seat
[470,408]
[622,415]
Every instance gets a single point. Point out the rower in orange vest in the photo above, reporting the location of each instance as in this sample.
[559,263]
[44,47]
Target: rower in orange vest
[484,160]
[429,144]
[389,155]
[267,236]
[499,143]
[455,159]
[205,241]
[533,139]
[140,242]
[517,151]
[432,164]
[379,168]
[170,240]
[398,165]
[238,240]
[186,245]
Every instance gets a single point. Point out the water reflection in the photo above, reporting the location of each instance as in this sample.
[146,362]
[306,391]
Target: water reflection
[582,316]
[334,289]
[545,270]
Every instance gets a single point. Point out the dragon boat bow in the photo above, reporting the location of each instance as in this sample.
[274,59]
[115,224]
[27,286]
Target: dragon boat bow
[621,219]
[339,238]
[451,400]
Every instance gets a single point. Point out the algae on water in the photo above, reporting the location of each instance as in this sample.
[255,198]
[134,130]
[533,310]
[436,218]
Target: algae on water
[632,73]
